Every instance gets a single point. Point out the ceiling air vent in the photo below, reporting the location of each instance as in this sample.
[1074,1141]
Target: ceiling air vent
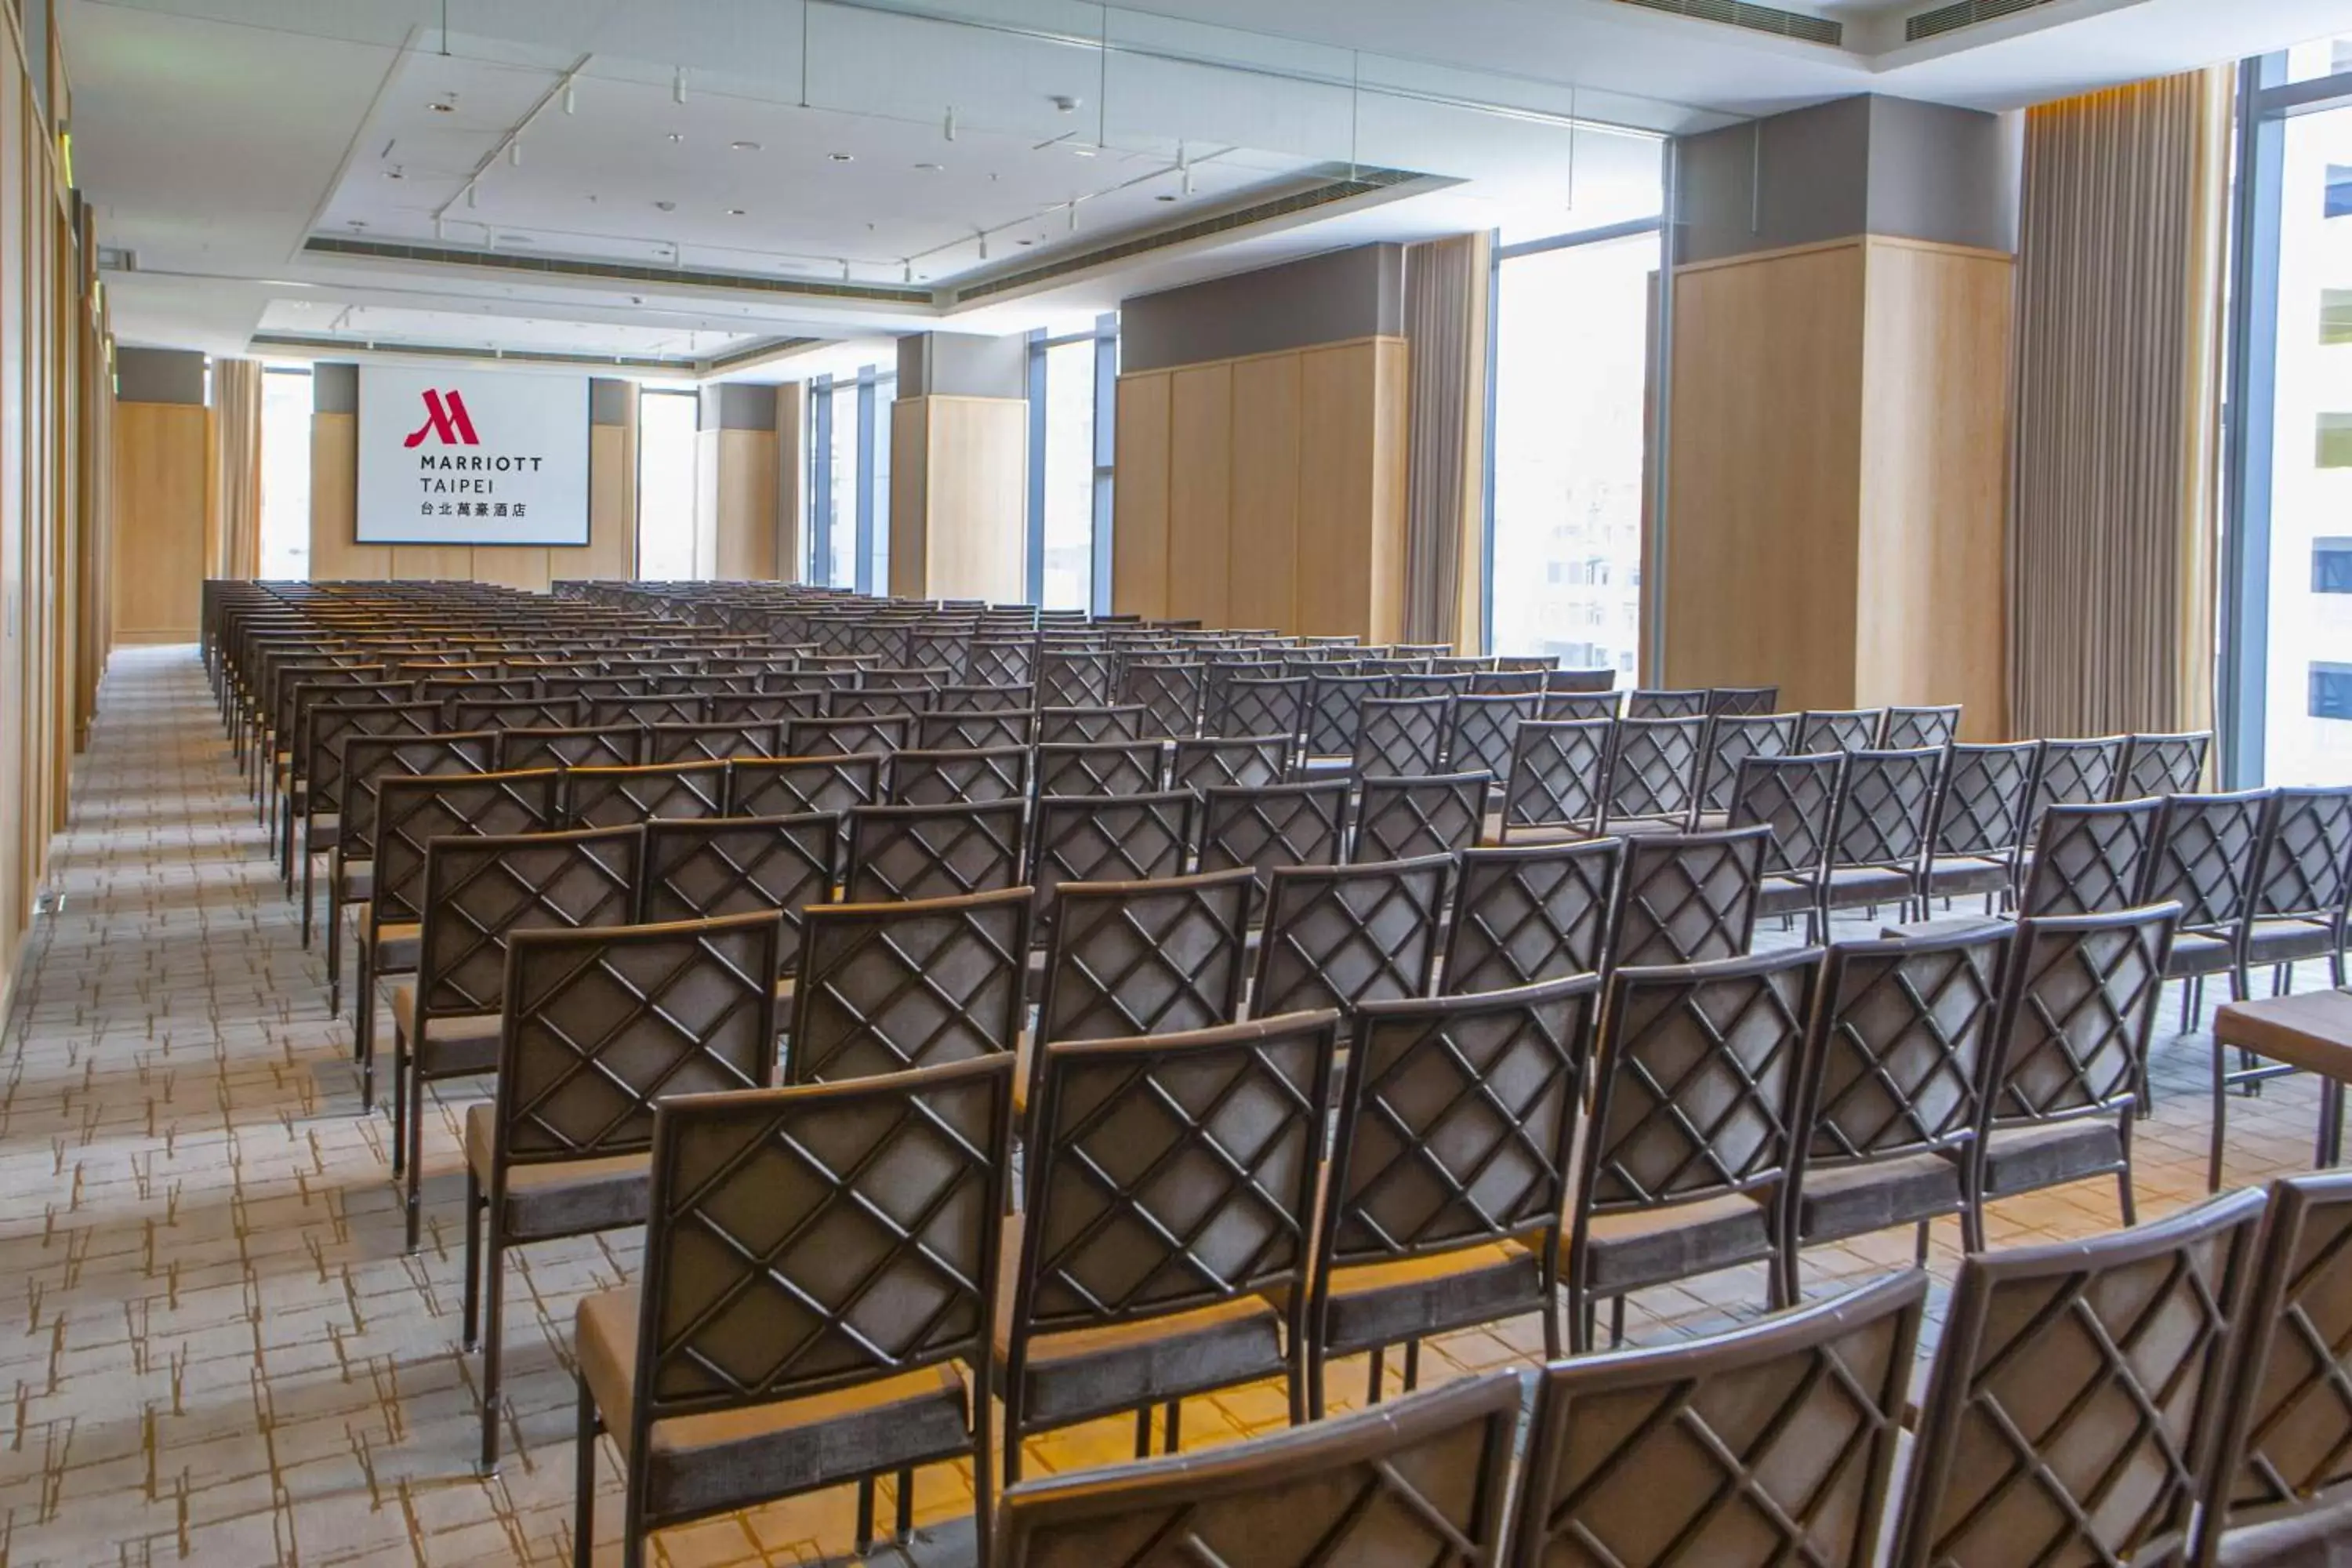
[532,356]
[117,258]
[614,271]
[1755,19]
[1364,182]
[1963,13]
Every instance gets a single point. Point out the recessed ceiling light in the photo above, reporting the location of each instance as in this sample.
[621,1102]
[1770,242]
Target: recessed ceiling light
[930,168]
[1166,197]
[1084,151]
[843,157]
[734,211]
[442,107]
[395,173]
[1028,242]
[744,146]
[666,207]
[677,136]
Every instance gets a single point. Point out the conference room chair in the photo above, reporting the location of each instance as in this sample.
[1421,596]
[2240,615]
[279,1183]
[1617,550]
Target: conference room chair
[1796,798]
[720,868]
[1480,730]
[329,726]
[1893,1099]
[1449,1172]
[2078,1004]
[1260,705]
[685,709]
[1731,740]
[1653,774]
[407,812]
[791,786]
[291,779]
[2078,1388]
[511,713]
[763,707]
[983,699]
[884,987]
[870,701]
[1400,737]
[1003,662]
[958,778]
[1429,683]
[1072,678]
[1249,762]
[2162,765]
[1696,1077]
[1555,788]
[1525,914]
[2281,1474]
[1340,936]
[1685,898]
[1137,837]
[1422,1481]
[2305,878]
[1152,957]
[932,851]
[1982,824]
[707,741]
[850,1348]
[1270,826]
[974,730]
[1100,767]
[1879,833]
[368,760]
[1499,682]
[945,653]
[833,737]
[2203,854]
[1556,679]
[1742,700]
[571,746]
[1908,729]
[1839,730]
[1646,704]
[596,1025]
[1769,1443]
[2089,859]
[1403,818]
[2074,772]
[619,797]
[1091,725]
[1170,693]
[1559,706]
[478,892]
[1203,1286]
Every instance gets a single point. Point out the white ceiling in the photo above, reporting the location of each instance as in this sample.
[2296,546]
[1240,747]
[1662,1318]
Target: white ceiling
[218,136]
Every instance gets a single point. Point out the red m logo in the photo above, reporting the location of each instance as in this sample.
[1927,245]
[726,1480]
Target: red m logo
[446,421]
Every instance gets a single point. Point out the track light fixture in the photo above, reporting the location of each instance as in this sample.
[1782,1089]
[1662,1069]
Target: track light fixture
[677,86]
[948,129]
[571,97]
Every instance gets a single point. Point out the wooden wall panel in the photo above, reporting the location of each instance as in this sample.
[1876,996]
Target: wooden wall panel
[334,504]
[977,495]
[161,453]
[611,552]
[1337,392]
[517,566]
[1384,549]
[910,505]
[1763,478]
[1199,491]
[746,499]
[1138,582]
[1935,454]
[1263,564]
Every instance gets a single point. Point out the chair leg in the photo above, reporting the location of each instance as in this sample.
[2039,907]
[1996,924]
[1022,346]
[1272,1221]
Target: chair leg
[468,1337]
[1919,1247]
[903,1518]
[335,954]
[2220,1116]
[865,1515]
[2125,1200]
[494,1258]
[2329,1151]
[1373,1374]
[1175,1426]
[1143,1433]
[1411,1366]
[1616,1322]
[1313,1410]
[584,1478]
[414,1176]
[310,886]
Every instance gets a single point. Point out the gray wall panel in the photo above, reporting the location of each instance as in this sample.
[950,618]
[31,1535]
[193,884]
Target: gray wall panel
[1333,298]
[159,375]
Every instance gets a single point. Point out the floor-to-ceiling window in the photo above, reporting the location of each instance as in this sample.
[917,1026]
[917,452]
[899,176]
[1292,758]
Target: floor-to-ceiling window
[2287,623]
[666,448]
[286,405]
[848,481]
[1072,381]
[1571,372]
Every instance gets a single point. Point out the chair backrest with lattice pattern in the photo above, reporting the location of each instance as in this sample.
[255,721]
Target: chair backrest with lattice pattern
[1558,770]
[2077,1006]
[1528,914]
[886,987]
[1100,767]
[793,786]
[618,797]
[2090,860]
[932,851]
[1342,936]
[1400,737]
[1277,825]
[1686,898]
[1403,818]
[959,777]
[1731,740]
[1796,798]
[697,870]
[1653,768]
[412,812]
[478,891]
[2204,856]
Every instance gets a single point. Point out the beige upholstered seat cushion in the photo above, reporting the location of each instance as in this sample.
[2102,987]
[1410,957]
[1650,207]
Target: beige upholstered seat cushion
[2199,952]
[730,1458]
[1386,1303]
[1076,1373]
[452,1045]
[1655,1246]
[2027,1159]
[1836,1200]
[563,1198]
[1957,874]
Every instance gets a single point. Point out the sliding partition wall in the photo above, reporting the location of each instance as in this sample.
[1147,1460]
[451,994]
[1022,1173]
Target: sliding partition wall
[2287,652]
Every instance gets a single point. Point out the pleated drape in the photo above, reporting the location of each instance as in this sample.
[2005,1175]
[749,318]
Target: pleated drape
[2113,519]
[236,468]
[1445,283]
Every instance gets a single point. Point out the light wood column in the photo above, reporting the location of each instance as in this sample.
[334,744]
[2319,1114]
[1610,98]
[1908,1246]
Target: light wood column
[1267,491]
[959,497]
[1835,508]
[162,453]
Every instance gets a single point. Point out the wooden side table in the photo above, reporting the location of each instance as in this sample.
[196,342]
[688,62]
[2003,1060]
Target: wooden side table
[2312,1032]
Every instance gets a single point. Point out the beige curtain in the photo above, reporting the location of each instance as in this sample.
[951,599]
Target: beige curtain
[2114,510]
[236,468]
[1445,283]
